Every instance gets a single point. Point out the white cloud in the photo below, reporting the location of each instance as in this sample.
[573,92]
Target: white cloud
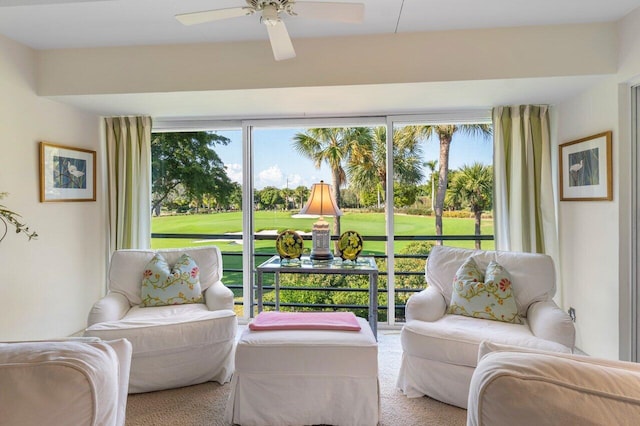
[293,181]
[270,177]
[316,179]
[234,171]
[274,176]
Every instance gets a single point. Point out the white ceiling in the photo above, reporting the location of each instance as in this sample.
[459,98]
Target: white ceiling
[89,23]
[86,23]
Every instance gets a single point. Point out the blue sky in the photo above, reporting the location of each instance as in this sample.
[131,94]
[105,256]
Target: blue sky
[277,164]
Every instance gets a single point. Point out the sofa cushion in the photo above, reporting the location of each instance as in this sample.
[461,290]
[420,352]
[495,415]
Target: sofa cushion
[455,339]
[163,284]
[488,297]
[532,275]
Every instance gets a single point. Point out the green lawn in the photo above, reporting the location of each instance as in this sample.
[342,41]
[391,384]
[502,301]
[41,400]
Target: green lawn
[367,224]
[363,223]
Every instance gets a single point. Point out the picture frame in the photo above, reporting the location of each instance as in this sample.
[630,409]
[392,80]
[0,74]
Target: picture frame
[585,169]
[67,173]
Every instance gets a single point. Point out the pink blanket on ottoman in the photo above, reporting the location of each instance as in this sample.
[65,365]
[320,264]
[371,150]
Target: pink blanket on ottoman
[305,321]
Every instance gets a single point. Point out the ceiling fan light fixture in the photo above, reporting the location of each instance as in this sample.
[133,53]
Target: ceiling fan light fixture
[280,5]
[270,15]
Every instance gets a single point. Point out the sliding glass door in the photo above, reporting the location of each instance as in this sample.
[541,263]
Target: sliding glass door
[287,158]
[433,162]
[197,194]
[384,173]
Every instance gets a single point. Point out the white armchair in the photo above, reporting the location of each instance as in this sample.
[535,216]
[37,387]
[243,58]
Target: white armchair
[65,382]
[539,387]
[176,345]
[440,349]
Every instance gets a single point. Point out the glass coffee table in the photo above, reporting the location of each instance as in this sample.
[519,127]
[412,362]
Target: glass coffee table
[362,266]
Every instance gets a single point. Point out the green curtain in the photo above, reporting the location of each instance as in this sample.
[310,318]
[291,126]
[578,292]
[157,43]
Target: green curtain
[524,212]
[128,141]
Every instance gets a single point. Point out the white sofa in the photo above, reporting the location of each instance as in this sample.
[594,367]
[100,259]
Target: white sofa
[67,382]
[173,346]
[440,350]
[539,387]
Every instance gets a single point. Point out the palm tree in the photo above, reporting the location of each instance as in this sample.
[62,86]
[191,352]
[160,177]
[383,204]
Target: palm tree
[432,170]
[287,196]
[473,186]
[445,133]
[301,193]
[368,162]
[407,152]
[332,146]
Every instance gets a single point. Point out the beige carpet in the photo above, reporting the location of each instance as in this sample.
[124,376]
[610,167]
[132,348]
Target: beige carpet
[204,404]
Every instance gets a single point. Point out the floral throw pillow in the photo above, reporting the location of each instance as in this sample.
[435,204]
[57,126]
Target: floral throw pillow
[490,297]
[164,285]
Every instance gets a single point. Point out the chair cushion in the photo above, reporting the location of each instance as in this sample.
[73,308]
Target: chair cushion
[171,285]
[174,346]
[489,297]
[168,328]
[532,275]
[455,339]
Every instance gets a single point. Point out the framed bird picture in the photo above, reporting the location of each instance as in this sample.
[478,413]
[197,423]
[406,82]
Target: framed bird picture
[66,173]
[585,169]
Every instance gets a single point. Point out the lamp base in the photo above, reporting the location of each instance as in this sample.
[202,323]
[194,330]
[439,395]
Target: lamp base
[321,256]
[321,252]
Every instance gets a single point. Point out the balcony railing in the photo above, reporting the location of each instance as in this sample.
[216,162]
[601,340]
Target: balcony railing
[233,275]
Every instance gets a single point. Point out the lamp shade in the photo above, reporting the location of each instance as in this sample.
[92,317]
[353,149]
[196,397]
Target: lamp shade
[321,201]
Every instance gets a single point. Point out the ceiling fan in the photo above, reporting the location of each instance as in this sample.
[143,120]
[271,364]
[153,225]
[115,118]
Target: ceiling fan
[270,11]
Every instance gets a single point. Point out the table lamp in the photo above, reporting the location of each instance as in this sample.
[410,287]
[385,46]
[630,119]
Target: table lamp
[321,203]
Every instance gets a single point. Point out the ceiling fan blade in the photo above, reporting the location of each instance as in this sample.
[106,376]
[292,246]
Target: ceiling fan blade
[340,12]
[213,15]
[280,41]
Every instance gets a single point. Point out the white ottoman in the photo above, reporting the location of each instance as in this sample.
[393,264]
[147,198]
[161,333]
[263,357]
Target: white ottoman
[305,377]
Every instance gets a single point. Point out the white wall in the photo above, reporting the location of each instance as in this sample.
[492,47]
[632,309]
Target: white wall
[594,236]
[47,285]
[464,55]
[629,46]
[588,230]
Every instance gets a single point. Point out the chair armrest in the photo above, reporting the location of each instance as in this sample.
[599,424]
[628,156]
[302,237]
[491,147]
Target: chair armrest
[428,305]
[111,307]
[547,321]
[64,382]
[218,297]
[123,350]
[574,388]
